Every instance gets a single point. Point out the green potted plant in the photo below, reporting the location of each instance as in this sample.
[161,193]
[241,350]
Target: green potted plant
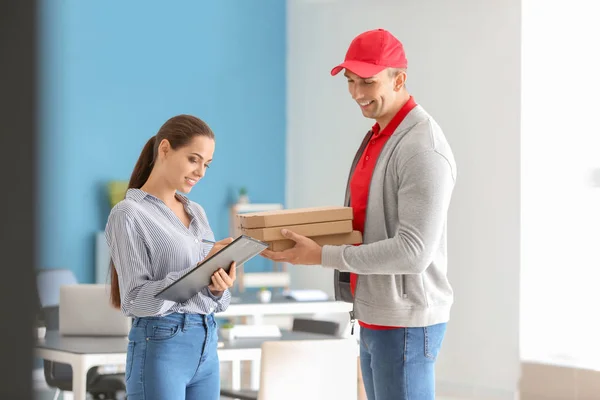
[116,191]
[226,331]
[264,295]
[243,196]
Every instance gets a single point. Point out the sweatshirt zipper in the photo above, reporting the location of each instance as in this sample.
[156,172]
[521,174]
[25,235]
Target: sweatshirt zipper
[352,317]
[357,156]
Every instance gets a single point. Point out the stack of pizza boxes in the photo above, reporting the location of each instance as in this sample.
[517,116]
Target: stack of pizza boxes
[330,225]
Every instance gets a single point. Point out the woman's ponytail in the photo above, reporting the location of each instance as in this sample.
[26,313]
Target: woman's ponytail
[144,165]
[139,176]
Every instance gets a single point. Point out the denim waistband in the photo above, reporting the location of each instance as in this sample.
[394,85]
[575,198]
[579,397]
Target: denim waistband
[182,319]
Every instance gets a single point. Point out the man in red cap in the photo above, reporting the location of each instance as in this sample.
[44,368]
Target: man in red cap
[400,186]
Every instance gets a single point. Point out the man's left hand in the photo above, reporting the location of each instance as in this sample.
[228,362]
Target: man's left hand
[306,251]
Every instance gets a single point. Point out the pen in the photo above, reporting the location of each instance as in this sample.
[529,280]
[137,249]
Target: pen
[207,241]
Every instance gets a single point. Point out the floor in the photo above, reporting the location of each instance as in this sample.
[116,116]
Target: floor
[47,394]
[43,392]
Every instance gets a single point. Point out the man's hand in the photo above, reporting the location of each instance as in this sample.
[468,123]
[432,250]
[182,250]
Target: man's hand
[222,280]
[306,251]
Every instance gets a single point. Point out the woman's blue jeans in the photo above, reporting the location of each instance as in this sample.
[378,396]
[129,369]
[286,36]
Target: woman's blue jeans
[173,357]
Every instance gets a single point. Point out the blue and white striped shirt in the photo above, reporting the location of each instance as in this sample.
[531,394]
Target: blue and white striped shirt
[151,248]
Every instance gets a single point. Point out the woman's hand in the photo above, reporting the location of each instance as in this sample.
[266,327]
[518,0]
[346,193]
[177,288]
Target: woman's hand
[219,245]
[221,280]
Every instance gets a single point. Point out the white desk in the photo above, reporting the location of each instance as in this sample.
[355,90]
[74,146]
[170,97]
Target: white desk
[247,305]
[83,352]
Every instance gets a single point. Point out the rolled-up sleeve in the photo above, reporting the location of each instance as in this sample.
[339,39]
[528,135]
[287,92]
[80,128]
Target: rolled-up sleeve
[221,302]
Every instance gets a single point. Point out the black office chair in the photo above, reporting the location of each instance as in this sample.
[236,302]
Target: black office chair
[315,326]
[59,375]
[298,325]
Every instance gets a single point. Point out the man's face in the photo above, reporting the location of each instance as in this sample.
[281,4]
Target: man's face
[375,95]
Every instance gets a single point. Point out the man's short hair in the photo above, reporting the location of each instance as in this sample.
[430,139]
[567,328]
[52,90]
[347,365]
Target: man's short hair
[393,72]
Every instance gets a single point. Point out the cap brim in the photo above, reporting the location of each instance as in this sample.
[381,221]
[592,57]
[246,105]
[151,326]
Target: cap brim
[362,69]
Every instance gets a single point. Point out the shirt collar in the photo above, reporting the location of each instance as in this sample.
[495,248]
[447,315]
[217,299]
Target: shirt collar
[183,199]
[135,194]
[139,195]
[397,120]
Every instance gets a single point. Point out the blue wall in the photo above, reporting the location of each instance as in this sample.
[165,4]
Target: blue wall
[112,72]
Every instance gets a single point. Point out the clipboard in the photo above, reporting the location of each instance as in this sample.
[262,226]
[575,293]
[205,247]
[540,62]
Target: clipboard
[242,249]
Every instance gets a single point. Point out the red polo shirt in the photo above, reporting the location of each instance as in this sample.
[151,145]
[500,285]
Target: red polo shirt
[361,180]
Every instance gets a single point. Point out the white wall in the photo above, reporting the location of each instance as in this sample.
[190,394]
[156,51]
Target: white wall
[464,68]
[561,198]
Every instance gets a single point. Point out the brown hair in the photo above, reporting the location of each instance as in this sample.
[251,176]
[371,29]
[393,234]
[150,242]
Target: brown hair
[179,131]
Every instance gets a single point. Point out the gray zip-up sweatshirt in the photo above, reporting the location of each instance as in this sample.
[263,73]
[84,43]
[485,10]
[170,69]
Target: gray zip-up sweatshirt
[402,262]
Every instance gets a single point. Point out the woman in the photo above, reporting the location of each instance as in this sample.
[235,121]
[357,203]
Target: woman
[155,236]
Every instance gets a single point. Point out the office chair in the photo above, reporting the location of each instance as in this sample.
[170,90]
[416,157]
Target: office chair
[305,369]
[298,325]
[59,375]
[315,326]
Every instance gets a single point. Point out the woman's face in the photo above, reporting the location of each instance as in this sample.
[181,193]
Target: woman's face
[184,167]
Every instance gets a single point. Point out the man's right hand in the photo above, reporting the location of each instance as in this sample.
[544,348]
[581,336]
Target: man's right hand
[219,245]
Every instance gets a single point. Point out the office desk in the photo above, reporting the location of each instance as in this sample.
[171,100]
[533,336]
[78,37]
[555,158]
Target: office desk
[85,352]
[248,305]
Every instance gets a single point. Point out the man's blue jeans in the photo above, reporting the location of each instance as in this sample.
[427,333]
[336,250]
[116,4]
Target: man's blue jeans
[399,364]
[173,357]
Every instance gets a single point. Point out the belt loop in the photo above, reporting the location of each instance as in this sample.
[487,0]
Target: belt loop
[184,322]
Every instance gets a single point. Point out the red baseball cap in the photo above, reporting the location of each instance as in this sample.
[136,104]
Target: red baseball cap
[371,52]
